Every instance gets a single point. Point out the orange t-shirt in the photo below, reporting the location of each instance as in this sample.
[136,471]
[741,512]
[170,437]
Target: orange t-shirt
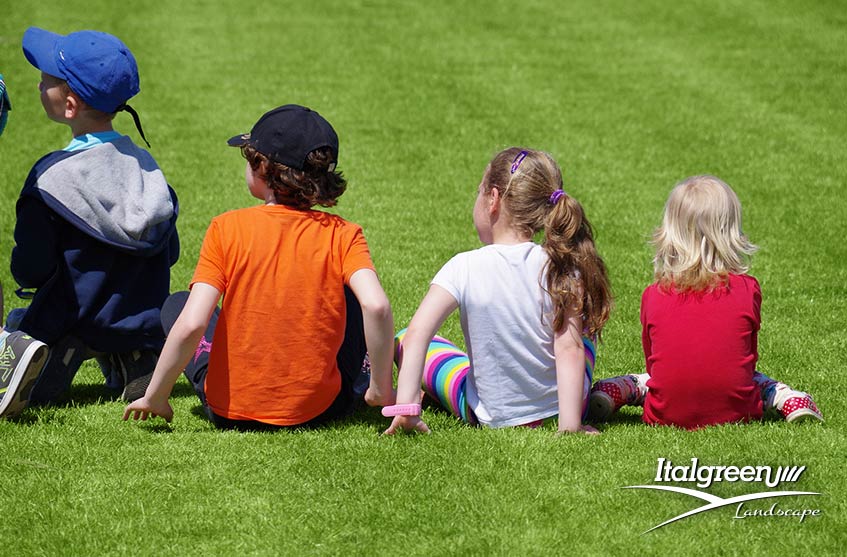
[282,273]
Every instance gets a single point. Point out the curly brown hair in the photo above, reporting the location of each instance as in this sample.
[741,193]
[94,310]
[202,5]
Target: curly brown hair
[317,184]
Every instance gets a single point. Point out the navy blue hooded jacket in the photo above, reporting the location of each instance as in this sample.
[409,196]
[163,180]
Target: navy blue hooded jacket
[96,237]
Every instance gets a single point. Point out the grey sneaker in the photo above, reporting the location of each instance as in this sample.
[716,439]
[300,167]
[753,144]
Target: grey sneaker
[136,370]
[21,360]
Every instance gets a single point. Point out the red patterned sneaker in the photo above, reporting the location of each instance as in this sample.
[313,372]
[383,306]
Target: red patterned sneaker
[796,406]
[608,395]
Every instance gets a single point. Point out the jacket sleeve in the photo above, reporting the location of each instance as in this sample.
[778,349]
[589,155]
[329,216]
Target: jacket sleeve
[173,243]
[173,248]
[34,257]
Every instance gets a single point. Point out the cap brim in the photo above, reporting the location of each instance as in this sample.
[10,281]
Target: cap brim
[40,50]
[239,140]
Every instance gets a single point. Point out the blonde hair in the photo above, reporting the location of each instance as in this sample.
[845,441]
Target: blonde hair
[700,241]
[575,275]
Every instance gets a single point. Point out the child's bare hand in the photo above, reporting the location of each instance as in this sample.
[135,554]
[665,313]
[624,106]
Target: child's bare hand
[375,397]
[409,424]
[587,429]
[143,408]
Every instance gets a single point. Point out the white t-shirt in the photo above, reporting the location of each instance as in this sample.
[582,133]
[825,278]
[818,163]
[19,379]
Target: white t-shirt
[507,321]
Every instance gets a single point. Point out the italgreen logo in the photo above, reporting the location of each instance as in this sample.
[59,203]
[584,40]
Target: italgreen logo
[704,476]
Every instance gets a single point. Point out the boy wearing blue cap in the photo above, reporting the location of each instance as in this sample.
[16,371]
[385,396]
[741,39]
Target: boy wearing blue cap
[95,235]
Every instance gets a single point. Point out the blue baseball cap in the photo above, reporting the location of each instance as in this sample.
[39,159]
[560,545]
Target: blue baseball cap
[97,66]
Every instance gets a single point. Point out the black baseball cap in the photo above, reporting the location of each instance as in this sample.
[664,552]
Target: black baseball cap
[288,134]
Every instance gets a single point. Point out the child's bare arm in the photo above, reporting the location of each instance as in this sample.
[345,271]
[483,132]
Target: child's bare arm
[434,309]
[570,376]
[179,348]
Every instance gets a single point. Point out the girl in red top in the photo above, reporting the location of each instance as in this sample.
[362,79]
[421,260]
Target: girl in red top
[700,322]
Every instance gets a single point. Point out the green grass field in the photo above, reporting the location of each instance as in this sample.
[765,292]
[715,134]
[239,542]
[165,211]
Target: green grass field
[630,97]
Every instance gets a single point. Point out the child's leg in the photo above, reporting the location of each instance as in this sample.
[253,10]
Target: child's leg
[788,403]
[63,361]
[352,356]
[13,320]
[135,369]
[445,374]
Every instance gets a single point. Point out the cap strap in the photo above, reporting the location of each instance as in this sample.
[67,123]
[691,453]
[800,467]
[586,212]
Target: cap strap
[135,118]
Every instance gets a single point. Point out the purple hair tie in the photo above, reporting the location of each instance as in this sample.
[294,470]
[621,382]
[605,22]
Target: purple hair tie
[518,160]
[556,196]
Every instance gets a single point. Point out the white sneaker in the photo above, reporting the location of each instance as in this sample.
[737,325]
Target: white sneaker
[795,406]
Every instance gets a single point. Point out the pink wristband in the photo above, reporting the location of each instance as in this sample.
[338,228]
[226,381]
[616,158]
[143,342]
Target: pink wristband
[402,410]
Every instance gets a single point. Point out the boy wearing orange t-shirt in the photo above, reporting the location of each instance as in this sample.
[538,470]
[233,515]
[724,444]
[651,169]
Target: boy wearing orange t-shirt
[299,294]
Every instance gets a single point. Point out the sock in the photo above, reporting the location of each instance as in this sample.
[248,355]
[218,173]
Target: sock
[768,387]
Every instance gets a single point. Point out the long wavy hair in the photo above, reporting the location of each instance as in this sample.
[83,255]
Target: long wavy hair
[575,275]
[700,241]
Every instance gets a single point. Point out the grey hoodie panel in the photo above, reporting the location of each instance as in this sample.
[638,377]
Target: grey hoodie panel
[117,189]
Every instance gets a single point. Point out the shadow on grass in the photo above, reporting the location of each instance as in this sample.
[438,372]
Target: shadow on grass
[621,418]
[83,395]
[88,394]
[363,416]
[156,426]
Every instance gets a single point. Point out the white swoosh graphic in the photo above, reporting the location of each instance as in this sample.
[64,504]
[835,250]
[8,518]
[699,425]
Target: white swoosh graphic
[714,501]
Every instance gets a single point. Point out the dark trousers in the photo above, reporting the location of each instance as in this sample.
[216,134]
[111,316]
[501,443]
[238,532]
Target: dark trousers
[350,360]
[67,356]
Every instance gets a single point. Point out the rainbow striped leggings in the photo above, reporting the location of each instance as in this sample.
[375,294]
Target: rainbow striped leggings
[446,369]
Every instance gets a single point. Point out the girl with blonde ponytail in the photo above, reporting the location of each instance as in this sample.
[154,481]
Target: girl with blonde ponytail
[530,313]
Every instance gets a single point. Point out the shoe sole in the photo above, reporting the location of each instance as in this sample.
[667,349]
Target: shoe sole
[803,415]
[136,388]
[600,406]
[35,357]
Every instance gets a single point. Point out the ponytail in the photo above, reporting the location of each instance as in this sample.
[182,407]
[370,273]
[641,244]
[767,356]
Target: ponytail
[575,275]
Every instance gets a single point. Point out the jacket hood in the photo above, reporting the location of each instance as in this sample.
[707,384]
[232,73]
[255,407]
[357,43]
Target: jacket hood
[115,192]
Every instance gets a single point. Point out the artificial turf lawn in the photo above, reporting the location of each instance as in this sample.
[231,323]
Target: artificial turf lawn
[629,97]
